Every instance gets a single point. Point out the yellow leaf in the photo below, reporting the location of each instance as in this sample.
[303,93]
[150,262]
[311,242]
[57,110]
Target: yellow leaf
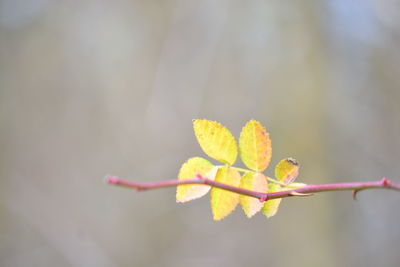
[216,141]
[224,202]
[287,170]
[189,170]
[270,207]
[255,146]
[255,182]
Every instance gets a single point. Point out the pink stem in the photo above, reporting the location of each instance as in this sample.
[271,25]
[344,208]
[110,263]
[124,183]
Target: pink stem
[384,183]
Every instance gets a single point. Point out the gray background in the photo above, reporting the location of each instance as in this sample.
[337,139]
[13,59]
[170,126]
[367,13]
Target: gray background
[90,88]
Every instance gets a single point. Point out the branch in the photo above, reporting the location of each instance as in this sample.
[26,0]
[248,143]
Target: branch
[384,183]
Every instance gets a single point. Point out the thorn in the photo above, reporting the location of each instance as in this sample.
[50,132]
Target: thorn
[199,176]
[355,194]
[385,181]
[299,194]
[263,199]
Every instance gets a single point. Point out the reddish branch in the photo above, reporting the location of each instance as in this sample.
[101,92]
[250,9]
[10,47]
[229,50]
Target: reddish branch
[384,183]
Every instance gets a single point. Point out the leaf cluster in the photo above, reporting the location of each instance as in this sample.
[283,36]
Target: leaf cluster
[255,151]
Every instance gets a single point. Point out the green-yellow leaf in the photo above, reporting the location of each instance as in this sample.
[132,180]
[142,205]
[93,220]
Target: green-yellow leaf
[216,141]
[224,202]
[189,170]
[255,146]
[270,207]
[254,181]
[287,170]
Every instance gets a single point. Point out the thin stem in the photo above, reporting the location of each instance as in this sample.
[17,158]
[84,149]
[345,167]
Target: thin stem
[276,182]
[384,183]
[272,180]
[239,169]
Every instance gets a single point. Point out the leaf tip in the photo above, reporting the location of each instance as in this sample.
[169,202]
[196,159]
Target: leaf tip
[292,161]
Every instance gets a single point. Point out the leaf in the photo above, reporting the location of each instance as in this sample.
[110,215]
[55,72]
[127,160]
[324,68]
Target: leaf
[287,170]
[255,146]
[189,170]
[216,141]
[270,207]
[224,202]
[255,182]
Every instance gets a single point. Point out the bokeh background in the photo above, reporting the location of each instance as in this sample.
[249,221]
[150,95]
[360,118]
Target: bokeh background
[90,88]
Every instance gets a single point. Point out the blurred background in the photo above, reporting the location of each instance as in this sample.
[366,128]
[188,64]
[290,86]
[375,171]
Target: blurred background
[90,88]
